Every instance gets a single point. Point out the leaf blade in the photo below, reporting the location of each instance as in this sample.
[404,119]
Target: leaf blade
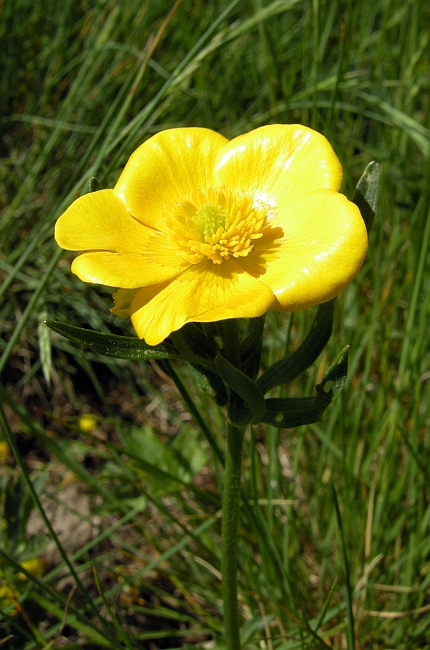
[112,345]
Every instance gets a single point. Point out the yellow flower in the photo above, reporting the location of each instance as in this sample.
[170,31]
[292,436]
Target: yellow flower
[4,451]
[200,229]
[8,597]
[36,566]
[87,422]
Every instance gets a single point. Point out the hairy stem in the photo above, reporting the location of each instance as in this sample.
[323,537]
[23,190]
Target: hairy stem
[229,547]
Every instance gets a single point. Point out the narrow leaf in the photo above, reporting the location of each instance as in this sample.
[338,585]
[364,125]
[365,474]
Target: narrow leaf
[112,345]
[45,343]
[253,337]
[292,366]
[337,373]
[208,380]
[94,184]
[366,194]
[348,586]
[251,347]
[296,411]
[243,386]
[195,346]
[240,416]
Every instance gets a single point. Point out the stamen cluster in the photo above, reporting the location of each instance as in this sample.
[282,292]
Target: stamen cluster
[216,224]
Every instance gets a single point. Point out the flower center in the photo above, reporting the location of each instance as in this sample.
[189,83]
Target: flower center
[215,224]
[208,218]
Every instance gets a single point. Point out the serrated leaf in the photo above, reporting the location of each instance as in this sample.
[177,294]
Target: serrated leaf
[243,386]
[292,366]
[112,345]
[366,194]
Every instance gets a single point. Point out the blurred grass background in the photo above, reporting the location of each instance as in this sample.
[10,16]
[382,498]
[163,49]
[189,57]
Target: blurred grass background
[134,485]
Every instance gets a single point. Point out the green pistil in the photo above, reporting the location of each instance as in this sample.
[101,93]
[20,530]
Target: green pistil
[208,218]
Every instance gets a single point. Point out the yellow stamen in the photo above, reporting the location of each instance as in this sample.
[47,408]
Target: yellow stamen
[215,224]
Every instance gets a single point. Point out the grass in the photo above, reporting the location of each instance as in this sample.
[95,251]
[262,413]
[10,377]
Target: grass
[335,517]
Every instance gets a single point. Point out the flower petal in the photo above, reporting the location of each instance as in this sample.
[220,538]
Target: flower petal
[98,221]
[278,163]
[165,169]
[323,248]
[203,293]
[122,302]
[123,270]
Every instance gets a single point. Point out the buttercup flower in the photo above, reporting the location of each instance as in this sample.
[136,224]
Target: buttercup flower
[199,228]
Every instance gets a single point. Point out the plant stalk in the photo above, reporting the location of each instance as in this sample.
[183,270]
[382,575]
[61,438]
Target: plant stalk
[229,545]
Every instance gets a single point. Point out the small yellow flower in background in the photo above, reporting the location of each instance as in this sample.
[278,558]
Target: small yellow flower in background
[4,451]
[200,229]
[36,566]
[87,422]
[9,597]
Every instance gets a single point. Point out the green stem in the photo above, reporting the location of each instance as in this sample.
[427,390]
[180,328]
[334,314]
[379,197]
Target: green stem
[194,410]
[229,545]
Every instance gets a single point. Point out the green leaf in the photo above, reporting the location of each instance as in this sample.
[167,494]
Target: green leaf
[240,416]
[12,514]
[94,184]
[292,366]
[112,345]
[253,337]
[251,346]
[209,381]
[296,411]
[195,346]
[366,194]
[32,547]
[44,346]
[166,466]
[337,373]
[243,386]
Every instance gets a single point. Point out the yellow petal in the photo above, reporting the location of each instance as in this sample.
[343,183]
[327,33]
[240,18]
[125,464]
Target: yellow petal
[323,248]
[278,164]
[122,302]
[204,293]
[123,270]
[165,169]
[98,221]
